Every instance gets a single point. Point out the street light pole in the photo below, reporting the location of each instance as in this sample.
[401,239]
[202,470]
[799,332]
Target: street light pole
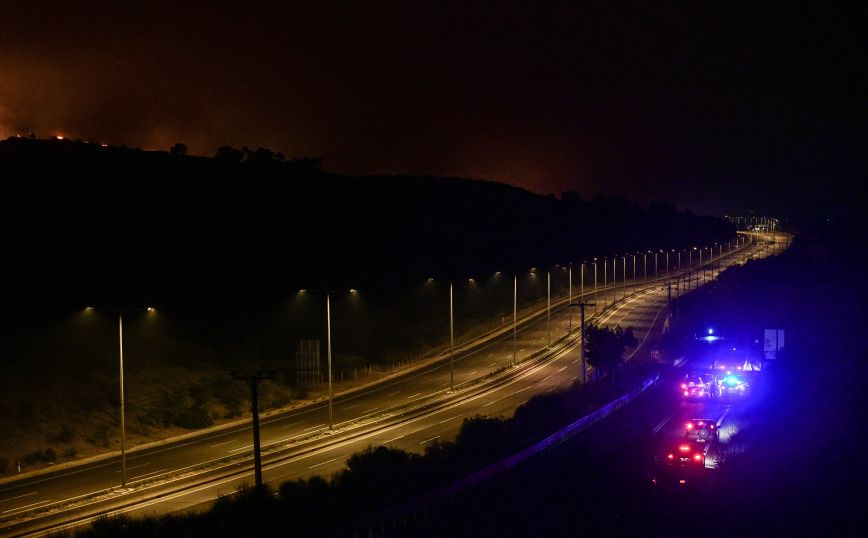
[123,425]
[514,316]
[329,351]
[451,343]
[624,273]
[645,267]
[549,307]
[570,297]
[582,278]
[328,294]
[123,418]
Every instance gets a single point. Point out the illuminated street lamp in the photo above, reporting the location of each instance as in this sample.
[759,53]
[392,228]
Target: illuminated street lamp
[514,316]
[328,294]
[624,272]
[645,267]
[549,306]
[120,312]
[570,297]
[451,283]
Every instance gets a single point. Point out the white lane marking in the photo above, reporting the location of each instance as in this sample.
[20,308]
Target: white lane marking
[473,372]
[545,378]
[522,349]
[393,393]
[663,422]
[392,440]
[18,497]
[490,403]
[25,507]
[414,395]
[521,403]
[139,477]
[323,463]
[134,467]
[574,378]
[551,389]
[224,443]
[429,440]
[313,427]
[562,369]
[293,423]
[492,364]
[240,449]
[575,361]
[369,410]
[521,390]
[448,419]
[279,464]
[352,406]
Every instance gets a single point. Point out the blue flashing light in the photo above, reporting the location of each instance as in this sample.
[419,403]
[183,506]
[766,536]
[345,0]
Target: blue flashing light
[710,330]
[730,380]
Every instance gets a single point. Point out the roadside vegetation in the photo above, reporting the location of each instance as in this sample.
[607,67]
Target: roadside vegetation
[221,248]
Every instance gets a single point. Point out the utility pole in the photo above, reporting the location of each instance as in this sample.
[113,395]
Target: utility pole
[254,413]
[581,307]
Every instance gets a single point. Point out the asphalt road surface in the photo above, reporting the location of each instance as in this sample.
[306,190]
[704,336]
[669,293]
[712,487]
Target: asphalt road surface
[311,448]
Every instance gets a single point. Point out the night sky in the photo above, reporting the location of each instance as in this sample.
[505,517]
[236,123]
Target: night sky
[718,108]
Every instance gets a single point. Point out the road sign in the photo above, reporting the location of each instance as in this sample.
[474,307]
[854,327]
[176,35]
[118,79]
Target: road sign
[773,342]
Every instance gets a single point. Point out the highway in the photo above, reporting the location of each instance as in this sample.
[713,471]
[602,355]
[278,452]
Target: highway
[408,411]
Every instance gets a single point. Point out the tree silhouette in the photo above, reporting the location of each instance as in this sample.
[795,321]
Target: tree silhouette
[229,154]
[178,149]
[604,347]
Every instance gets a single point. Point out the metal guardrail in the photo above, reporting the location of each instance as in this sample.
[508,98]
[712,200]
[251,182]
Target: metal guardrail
[490,471]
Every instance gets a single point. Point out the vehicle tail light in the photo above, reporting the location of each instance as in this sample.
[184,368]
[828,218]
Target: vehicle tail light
[670,457]
[701,423]
[711,426]
[689,425]
[684,448]
[685,393]
[697,457]
[682,481]
[684,385]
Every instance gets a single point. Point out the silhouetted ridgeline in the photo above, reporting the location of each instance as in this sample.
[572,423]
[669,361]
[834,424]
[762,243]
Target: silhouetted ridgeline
[221,247]
[88,224]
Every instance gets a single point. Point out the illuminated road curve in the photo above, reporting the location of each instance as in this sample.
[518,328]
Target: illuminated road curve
[640,311]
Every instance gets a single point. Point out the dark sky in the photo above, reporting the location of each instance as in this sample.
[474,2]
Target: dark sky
[718,107]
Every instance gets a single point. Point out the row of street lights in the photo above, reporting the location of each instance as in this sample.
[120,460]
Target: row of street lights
[451,282]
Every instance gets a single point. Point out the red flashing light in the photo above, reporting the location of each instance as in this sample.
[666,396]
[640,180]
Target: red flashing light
[702,423]
[682,481]
[686,393]
[670,457]
[684,448]
[684,385]
[689,425]
[697,457]
[711,426]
